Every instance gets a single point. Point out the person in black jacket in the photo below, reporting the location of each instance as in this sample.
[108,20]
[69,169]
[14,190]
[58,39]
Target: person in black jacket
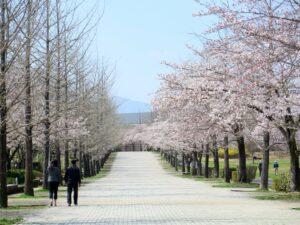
[73,180]
[260,167]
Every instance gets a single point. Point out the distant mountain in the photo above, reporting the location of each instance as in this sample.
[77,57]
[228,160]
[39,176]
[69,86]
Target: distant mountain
[136,118]
[130,106]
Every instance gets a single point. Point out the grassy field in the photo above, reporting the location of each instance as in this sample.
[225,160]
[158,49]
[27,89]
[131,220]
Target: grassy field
[284,165]
[216,182]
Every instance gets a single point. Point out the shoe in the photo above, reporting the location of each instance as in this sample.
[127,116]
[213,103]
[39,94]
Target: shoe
[76,204]
[69,204]
[51,203]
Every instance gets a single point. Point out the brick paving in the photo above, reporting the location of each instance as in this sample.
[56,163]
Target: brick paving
[139,191]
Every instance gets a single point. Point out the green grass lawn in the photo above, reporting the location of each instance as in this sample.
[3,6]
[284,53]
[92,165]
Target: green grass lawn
[292,196]
[10,221]
[41,191]
[284,165]
[235,185]
[23,196]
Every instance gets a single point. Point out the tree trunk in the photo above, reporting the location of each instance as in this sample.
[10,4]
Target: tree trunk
[102,162]
[294,159]
[28,188]
[242,160]
[195,161]
[176,162]
[183,163]
[226,161]
[87,166]
[97,166]
[47,99]
[216,157]
[75,152]
[3,108]
[91,165]
[66,104]
[58,79]
[188,164]
[81,162]
[265,164]
[199,164]
[84,165]
[99,163]
[8,164]
[66,155]
[57,154]
[206,168]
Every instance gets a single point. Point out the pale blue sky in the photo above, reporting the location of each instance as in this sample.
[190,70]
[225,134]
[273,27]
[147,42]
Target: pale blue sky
[137,35]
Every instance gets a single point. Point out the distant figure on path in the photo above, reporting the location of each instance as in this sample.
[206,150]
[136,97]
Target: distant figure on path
[73,180]
[53,181]
[260,167]
[276,166]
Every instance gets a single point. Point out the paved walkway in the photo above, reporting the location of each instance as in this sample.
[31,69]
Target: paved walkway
[139,191]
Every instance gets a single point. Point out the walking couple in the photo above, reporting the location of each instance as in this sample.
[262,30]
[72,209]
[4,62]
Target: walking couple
[72,179]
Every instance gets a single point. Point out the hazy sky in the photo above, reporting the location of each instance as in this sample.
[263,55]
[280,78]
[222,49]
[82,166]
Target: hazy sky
[137,35]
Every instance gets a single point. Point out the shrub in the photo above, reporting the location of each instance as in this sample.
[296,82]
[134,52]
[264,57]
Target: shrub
[232,152]
[37,166]
[275,184]
[210,171]
[37,173]
[10,180]
[222,173]
[36,182]
[250,171]
[20,174]
[234,176]
[281,183]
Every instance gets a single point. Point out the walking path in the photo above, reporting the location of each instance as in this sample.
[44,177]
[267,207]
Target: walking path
[139,191]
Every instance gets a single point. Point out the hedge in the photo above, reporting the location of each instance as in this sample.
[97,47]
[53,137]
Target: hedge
[20,174]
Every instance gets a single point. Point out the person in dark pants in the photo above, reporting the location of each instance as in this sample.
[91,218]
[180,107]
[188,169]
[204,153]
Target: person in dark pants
[73,180]
[276,166]
[53,181]
[260,167]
